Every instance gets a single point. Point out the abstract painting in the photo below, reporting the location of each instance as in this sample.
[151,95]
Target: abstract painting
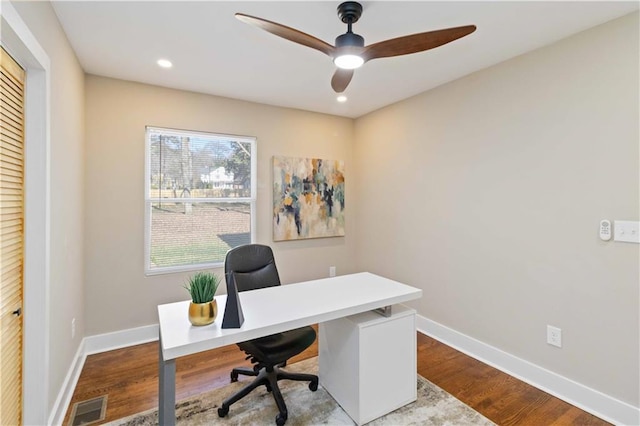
[308,198]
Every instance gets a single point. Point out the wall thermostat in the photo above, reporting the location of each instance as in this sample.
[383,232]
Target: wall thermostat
[605,230]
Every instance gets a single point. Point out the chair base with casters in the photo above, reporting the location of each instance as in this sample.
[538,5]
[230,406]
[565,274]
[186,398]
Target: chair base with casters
[270,355]
[269,378]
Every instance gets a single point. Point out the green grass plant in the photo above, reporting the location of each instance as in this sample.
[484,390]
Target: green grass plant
[202,287]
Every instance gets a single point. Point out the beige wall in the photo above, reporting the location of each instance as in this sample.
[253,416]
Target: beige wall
[118,295]
[66,292]
[487,193]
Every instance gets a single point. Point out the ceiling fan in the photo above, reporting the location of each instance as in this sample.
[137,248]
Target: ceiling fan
[349,51]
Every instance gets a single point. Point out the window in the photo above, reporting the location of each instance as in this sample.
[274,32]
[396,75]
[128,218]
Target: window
[200,198]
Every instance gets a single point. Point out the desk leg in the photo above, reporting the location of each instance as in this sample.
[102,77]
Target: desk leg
[167,390]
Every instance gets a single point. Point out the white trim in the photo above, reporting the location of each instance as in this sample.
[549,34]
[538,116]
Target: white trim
[254,190]
[590,400]
[583,397]
[68,386]
[18,40]
[92,345]
[120,339]
[198,134]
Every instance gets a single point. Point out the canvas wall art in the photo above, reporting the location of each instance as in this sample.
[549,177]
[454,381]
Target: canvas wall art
[308,198]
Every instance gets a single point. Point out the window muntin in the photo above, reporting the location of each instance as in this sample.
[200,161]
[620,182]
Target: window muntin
[199,198]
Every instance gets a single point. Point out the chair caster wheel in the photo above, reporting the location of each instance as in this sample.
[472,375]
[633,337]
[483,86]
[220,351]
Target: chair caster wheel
[223,411]
[313,386]
[234,377]
[268,388]
[281,419]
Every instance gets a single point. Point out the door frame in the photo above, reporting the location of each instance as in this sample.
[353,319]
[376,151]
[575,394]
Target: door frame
[18,40]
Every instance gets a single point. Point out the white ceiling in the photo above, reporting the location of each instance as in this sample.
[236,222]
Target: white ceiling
[214,53]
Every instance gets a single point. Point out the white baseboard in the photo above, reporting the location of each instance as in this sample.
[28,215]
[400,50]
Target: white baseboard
[56,416]
[590,400]
[120,339]
[92,345]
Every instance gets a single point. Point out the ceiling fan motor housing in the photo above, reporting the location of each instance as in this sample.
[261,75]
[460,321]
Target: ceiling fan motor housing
[349,40]
[349,12]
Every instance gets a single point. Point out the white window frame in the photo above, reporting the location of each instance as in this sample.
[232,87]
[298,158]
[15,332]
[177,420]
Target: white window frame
[148,200]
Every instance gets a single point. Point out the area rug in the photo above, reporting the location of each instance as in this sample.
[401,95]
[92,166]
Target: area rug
[434,406]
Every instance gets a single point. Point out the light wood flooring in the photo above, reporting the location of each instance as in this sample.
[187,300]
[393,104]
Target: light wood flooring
[130,378]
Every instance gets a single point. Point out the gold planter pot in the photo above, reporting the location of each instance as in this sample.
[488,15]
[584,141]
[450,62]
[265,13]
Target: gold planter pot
[203,313]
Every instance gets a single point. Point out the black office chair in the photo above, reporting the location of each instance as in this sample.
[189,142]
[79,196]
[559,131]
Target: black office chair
[253,266]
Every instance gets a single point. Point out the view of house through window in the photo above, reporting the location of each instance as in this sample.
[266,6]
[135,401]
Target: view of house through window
[200,198]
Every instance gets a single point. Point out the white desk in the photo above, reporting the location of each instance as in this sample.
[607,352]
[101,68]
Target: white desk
[268,311]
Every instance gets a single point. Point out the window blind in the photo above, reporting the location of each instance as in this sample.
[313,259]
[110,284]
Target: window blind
[200,198]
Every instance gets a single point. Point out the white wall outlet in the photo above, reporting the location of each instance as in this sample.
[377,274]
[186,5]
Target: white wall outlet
[332,271]
[554,336]
[73,328]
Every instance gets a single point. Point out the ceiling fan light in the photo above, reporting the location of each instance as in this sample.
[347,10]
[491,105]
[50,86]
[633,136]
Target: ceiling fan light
[348,48]
[348,61]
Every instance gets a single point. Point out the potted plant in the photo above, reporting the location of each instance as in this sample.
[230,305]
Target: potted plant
[203,307]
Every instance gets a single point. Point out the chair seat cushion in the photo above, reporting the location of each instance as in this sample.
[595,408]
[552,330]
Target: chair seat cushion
[277,348]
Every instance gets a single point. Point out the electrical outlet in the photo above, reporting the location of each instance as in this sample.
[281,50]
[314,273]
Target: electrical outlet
[332,271]
[554,336]
[73,328]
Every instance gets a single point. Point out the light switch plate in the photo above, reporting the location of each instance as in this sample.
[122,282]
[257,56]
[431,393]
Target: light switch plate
[627,231]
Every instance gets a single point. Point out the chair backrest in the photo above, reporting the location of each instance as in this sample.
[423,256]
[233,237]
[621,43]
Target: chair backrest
[253,266]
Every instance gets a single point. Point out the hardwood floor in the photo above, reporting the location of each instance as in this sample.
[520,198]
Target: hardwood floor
[130,378]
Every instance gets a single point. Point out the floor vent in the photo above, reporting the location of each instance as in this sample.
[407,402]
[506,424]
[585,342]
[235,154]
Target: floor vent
[88,412]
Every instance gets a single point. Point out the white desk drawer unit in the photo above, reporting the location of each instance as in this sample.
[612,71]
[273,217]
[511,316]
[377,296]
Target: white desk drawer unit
[367,362]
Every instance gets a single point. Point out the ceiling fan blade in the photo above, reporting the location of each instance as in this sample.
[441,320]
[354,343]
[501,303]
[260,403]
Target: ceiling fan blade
[341,79]
[288,33]
[415,42]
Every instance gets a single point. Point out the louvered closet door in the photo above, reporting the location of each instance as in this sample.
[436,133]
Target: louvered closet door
[11,238]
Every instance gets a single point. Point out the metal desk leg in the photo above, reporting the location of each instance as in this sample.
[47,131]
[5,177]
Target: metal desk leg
[167,390]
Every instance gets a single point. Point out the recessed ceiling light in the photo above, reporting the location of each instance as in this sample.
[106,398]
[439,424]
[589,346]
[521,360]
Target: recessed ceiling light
[164,63]
[341,98]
